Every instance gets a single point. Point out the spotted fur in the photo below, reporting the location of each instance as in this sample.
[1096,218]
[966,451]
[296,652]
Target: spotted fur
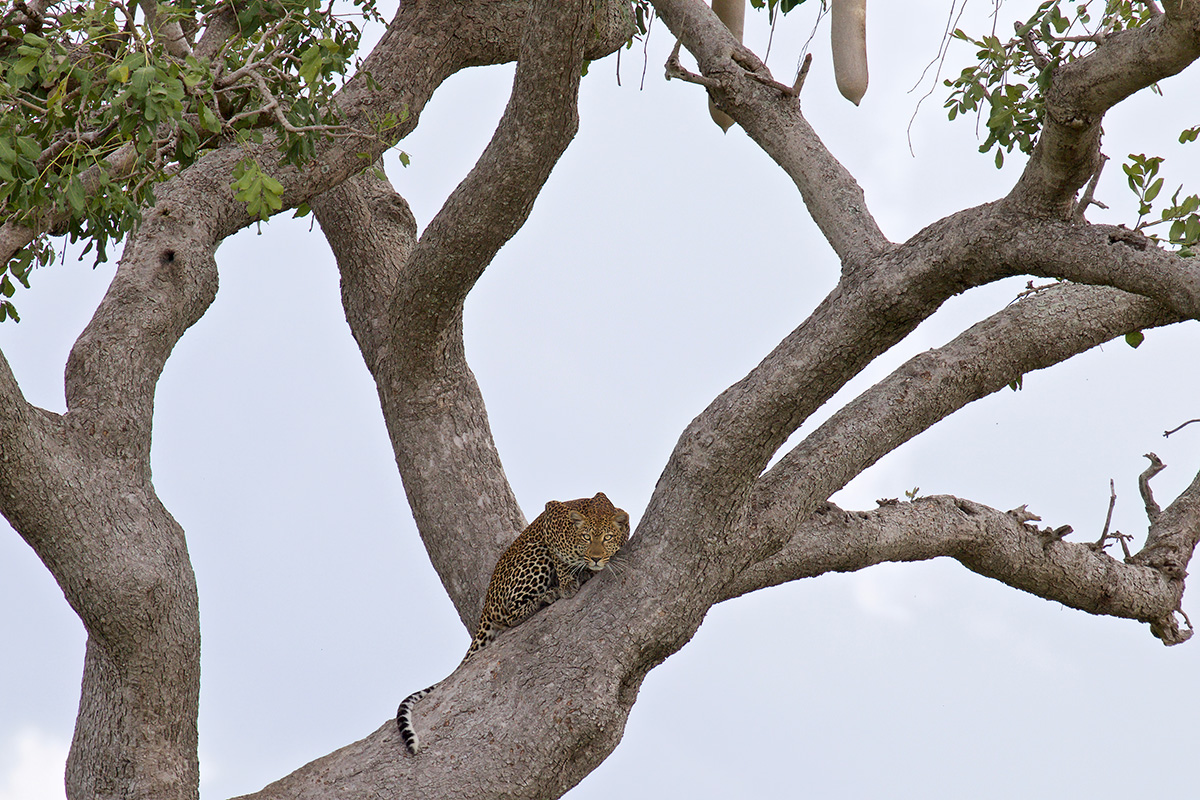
[567,544]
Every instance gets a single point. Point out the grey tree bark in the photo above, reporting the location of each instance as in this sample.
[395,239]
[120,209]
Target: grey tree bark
[516,721]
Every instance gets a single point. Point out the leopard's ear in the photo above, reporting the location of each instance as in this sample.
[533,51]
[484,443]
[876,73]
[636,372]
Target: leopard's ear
[622,519]
[577,519]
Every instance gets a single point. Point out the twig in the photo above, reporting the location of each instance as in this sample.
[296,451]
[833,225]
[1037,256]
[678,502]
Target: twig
[1031,289]
[1181,427]
[1156,466]
[674,69]
[1022,514]
[1100,544]
[1026,34]
[766,80]
[646,51]
[1112,503]
[1049,536]
[1088,194]
[802,74]
[1096,38]
[744,59]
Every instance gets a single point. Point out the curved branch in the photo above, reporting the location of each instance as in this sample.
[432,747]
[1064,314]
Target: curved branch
[1036,332]
[404,302]
[372,233]
[742,87]
[495,198]
[1174,533]
[993,543]
[1068,150]
[1105,255]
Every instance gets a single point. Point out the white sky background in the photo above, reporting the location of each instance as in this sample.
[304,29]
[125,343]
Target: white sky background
[662,261]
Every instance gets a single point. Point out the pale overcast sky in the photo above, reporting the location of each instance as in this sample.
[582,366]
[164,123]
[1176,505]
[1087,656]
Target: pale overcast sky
[669,258]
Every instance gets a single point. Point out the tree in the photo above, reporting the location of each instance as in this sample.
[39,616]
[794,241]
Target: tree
[724,520]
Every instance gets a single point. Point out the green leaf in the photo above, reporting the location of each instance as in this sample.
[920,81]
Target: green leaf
[208,120]
[999,158]
[29,148]
[24,66]
[271,185]
[7,154]
[142,76]
[1192,230]
[75,196]
[1134,338]
[6,287]
[311,61]
[1153,190]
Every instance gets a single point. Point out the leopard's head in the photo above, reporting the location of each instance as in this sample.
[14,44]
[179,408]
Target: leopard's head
[590,531]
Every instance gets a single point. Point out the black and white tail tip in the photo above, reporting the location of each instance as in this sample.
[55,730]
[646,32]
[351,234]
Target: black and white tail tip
[404,720]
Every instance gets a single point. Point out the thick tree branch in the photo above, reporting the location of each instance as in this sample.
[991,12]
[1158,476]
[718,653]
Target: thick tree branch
[495,198]
[742,87]
[219,29]
[996,544]
[1068,150]
[439,428]
[166,29]
[88,512]
[372,233]
[1173,534]
[1105,255]
[93,518]
[435,412]
[1038,331]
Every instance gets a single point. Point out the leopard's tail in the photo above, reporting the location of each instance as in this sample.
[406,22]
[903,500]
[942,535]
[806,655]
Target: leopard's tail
[404,719]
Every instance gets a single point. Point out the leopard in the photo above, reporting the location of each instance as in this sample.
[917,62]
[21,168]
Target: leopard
[568,543]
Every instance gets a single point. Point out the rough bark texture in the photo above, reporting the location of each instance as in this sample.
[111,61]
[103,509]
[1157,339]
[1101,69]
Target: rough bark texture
[720,524]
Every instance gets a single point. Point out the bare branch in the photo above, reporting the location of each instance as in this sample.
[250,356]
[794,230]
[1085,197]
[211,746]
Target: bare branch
[674,69]
[436,430]
[404,302]
[767,110]
[1174,533]
[992,543]
[1156,466]
[1036,332]
[1089,194]
[1104,255]
[494,200]
[1179,428]
[1112,503]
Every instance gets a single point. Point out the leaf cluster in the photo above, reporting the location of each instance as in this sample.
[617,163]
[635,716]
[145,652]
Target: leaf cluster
[1141,172]
[1011,77]
[95,108]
